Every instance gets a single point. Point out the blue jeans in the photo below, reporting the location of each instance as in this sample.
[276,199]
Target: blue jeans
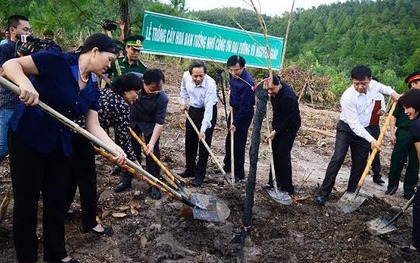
[5,115]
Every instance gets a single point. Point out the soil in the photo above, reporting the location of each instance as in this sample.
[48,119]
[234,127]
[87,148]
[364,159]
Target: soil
[155,231]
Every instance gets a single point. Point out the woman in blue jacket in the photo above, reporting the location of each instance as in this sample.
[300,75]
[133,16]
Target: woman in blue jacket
[40,146]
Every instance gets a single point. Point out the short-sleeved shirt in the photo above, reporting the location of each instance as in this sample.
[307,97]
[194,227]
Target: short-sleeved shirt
[58,87]
[115,112]
[125,67]
[8,100]
[148,110]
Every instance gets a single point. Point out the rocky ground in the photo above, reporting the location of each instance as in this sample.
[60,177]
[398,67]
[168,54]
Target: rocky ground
[154,231]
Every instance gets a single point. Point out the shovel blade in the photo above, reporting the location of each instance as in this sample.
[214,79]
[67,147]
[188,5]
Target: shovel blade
[209,208]
[279,196]
[380,226]
[349,202]
[229,180]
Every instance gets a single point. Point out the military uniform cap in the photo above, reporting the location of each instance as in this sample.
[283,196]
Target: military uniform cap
[134,41]
[412,77]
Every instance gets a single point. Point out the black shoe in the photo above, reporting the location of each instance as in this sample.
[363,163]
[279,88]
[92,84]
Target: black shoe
[391,190]
[187,174]
[122,186]
[409,249]
[116,170]
[378,181]
[320,200]
[107,230]
[72,260]
[197,182]
[154,193]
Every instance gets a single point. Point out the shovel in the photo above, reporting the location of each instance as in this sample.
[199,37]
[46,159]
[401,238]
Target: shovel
[349,202]
[231,180]
[173,180]
[382,225]
[278,196]
[205,143]
[209,208]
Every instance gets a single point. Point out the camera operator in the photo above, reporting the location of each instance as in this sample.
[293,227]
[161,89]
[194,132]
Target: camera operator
[17,25]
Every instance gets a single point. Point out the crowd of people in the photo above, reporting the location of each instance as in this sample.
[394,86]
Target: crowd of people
[102,85]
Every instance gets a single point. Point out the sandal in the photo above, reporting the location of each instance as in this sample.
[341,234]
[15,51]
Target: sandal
[409,249]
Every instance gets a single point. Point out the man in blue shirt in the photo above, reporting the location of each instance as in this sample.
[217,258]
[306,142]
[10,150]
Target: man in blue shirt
[199,98]
[17,25]
[242,100]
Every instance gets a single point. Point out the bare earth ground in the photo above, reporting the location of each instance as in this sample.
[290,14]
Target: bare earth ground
[154,231]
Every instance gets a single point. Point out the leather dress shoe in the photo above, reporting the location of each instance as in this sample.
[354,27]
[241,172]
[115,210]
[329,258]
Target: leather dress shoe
[72,260]
[107,230]
[122,186]
[320,200]
[197,182]
[116,170]
[186,174]
[378,181]
[391,190]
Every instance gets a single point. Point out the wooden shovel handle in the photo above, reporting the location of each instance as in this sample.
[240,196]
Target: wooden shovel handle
[375,151]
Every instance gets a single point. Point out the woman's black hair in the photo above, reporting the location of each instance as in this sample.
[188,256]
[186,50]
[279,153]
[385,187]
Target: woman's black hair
[411,98]
[127,82]
[103,42]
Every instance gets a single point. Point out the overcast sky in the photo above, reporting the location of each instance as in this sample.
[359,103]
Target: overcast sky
[268,7]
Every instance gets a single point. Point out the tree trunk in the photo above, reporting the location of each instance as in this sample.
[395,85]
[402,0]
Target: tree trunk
[262,98]
[125,16]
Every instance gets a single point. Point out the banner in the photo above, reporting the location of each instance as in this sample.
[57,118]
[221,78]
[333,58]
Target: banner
[180,37]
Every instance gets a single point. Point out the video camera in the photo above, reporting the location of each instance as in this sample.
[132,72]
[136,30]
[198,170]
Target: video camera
[28,44]
[109,24]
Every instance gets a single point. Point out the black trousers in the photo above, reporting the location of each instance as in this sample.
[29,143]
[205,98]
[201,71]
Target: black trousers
[192,143]
[83,175]
[359,148]
[240,137]
[375,130]
[33,172]
[282,146]
[151,166]
[416,220]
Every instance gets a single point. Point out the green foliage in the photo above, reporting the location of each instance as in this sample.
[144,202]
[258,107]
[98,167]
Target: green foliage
[332,39]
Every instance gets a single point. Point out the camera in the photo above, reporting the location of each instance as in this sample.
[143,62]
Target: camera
[28,44]
[109,24]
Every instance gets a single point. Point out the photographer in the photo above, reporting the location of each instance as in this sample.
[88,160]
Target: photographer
[17,25]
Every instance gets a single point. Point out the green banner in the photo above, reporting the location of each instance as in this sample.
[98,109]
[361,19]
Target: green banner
[180,37]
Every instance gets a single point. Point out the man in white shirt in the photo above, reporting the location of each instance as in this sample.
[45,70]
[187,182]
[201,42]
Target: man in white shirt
[199,98]
[357,103]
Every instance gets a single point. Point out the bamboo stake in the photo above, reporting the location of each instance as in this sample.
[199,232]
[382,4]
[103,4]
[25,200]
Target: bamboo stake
[289,22]
[204,143]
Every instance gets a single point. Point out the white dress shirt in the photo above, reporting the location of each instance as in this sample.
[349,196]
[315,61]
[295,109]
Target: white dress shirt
[202,96]
[356,108]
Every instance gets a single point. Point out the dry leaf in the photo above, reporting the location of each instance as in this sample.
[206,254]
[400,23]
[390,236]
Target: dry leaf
[119,215]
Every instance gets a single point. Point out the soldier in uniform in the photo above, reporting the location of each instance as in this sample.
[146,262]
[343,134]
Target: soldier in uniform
[130,62]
